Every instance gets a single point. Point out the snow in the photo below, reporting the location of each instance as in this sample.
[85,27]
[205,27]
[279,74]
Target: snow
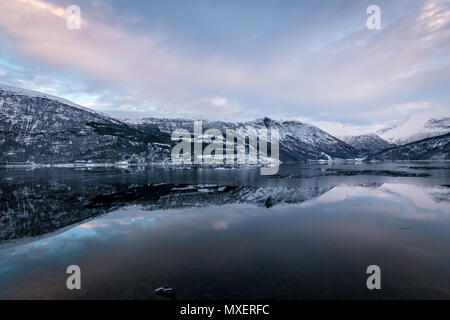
[36,94]
[436,148]
[416,127]
[63,132]
[367,142]
[298,140]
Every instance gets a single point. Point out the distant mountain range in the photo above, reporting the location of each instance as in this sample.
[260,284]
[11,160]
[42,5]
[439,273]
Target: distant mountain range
[434,148]
[368,143]
[298,141]
[415,128]
[39,128]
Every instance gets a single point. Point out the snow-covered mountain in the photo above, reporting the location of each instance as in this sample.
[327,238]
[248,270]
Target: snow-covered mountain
[415,128]
[434,148]
[367,143]
[39,128]
[298,141]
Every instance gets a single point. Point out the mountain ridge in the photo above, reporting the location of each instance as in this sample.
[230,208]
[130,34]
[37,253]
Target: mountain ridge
[37,128]
[44,129]
[433,148]
[415,128]
[298,141]
[367,143]
[40,128]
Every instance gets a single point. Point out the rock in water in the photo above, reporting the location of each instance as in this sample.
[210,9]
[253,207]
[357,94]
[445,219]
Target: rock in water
[165,291]
[268,203]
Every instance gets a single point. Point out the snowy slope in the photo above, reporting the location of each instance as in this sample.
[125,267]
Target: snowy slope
[434,148]
[298,141]
[35,94]
[415,128]
[368,143]
[39,128]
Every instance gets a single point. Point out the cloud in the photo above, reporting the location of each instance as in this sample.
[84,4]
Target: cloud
[219,102]
[330,69]
[97,106]
[340,130]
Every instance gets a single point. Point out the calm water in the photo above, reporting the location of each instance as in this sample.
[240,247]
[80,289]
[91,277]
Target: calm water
[309,232]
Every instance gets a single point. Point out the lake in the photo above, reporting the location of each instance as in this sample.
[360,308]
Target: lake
[309,232]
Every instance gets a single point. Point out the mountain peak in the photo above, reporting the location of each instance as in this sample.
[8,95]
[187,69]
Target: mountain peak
[416,127]
[433,148]
[37,94]
[367,143]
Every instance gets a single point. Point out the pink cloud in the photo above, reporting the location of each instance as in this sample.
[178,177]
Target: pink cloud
[362,66]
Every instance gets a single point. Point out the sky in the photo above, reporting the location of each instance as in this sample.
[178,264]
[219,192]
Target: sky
[313,61]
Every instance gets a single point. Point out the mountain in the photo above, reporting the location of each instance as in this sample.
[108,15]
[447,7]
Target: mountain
[298,141]
[415,128]
[40,128]
[434,148]
[367,143]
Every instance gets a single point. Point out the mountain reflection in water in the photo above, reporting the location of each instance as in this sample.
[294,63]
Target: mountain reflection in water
[231,234]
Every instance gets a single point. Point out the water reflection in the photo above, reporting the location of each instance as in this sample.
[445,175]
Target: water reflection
[212,241]
[35,203]
[33,210]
